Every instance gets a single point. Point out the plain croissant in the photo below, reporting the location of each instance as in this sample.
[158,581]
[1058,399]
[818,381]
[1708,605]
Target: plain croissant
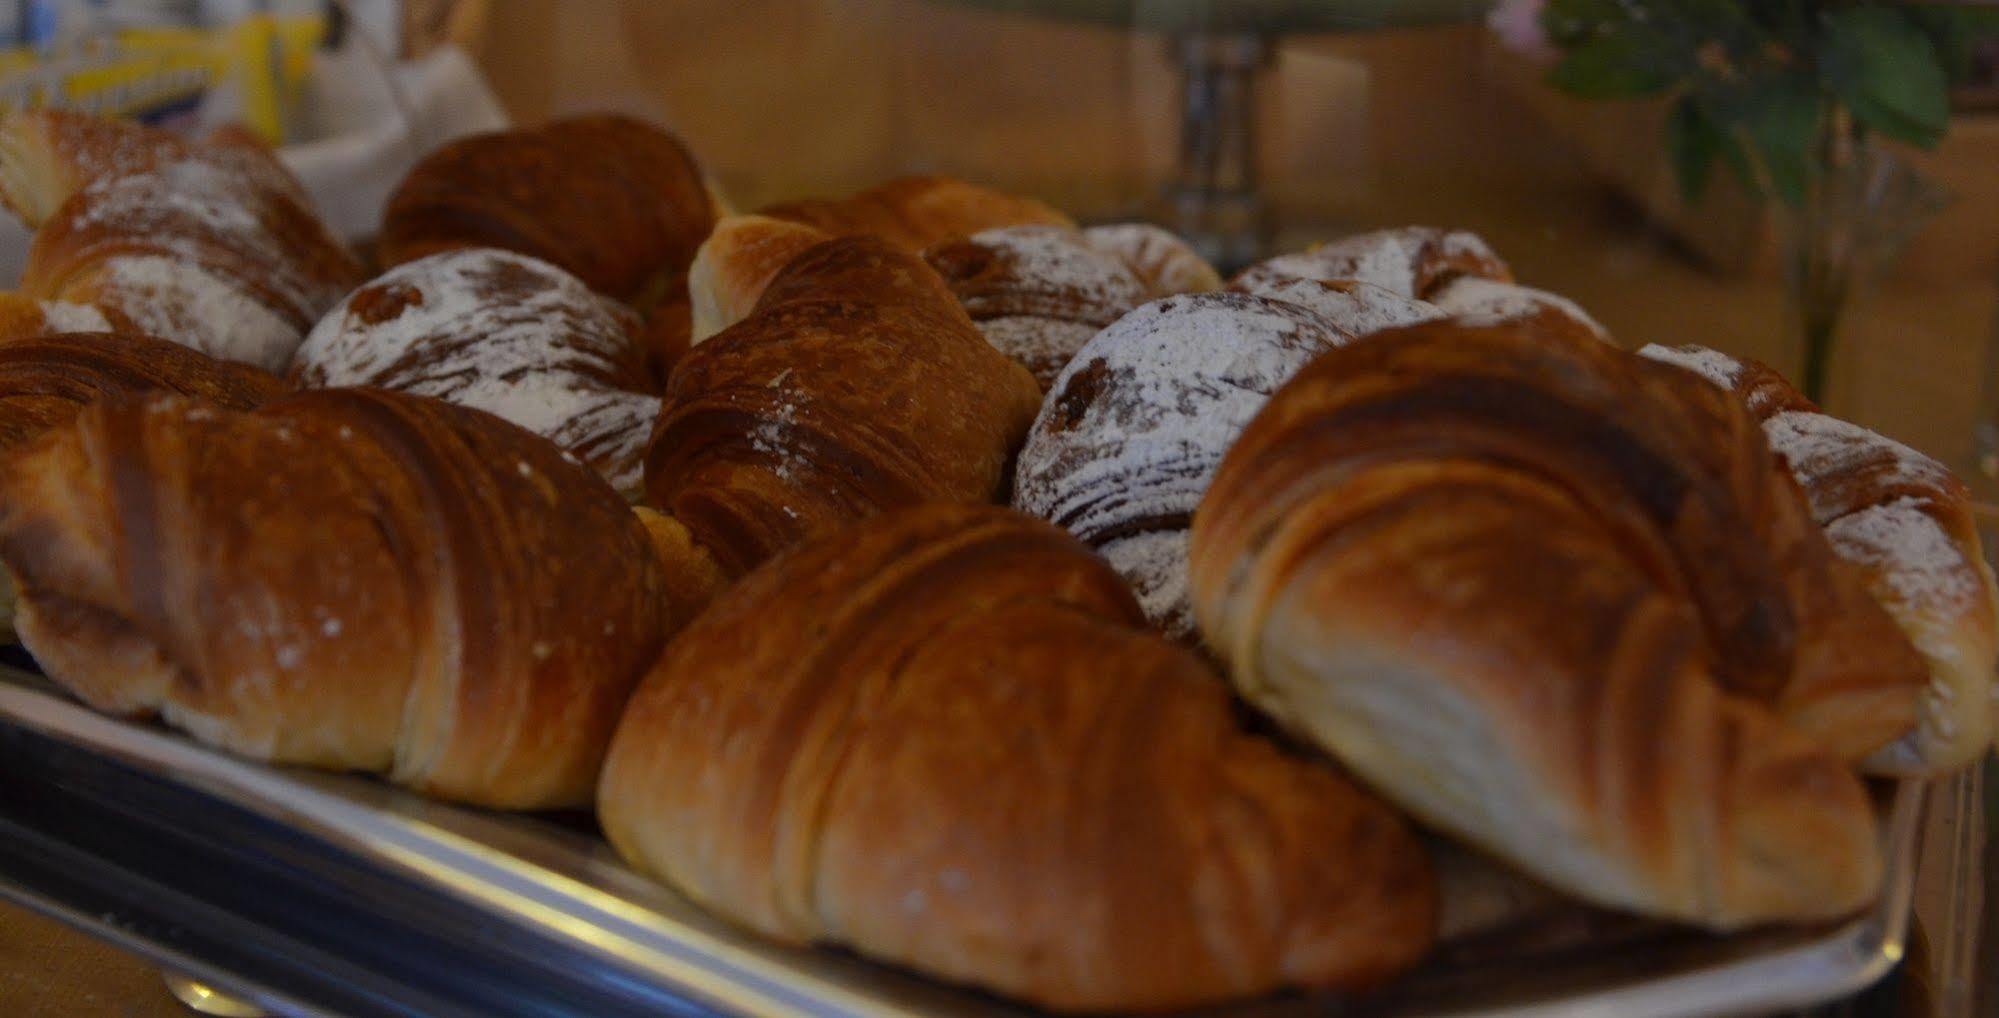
[1560,601]
[348,579]
[857,385]
[942,738]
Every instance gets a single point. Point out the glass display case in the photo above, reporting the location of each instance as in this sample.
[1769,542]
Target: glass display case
[1251,130]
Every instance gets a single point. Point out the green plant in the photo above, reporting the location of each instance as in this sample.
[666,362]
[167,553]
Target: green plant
[1772,89]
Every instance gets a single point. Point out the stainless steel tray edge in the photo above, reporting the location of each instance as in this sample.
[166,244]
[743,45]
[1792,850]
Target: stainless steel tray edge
[651,933]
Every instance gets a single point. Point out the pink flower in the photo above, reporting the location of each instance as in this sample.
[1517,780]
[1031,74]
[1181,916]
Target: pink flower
[1518,25]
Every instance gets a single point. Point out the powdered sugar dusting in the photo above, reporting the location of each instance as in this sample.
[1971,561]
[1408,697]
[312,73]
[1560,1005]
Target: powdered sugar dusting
[1713,365]
[1403,261]
[1037,292]
[186,303]
[503,333]
[1133,429]
[1356,307]
[1050,262]
[1486,302]
[1820,448]
[1042,346]
[1912,554]
[63,316]
[1160,259]
[1155,564]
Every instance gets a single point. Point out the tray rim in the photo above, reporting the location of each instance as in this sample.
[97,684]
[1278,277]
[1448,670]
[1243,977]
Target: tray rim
[704,967]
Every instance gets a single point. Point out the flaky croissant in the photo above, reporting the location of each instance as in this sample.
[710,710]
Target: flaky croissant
[212,245]
[610,199]
[857,385]
[45,380]
[914,213]
[1560,601]
[614,201]
[1906,522]
[348,579]
[942,739]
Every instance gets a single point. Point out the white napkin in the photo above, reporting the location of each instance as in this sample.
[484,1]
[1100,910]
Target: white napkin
[366,142]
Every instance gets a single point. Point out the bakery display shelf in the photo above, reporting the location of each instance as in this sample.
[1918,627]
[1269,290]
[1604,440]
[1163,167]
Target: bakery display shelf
[313,893]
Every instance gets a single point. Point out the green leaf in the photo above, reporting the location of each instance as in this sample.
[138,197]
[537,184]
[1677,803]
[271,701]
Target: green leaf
[1693,141]
[1883,66]
[1782,118]
[1956,31]
[1616,65]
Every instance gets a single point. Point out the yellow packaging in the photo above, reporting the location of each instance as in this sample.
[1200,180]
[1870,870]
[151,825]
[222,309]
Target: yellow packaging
[168,76]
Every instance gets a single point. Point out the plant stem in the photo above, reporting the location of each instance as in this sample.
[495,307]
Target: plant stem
[1822,258]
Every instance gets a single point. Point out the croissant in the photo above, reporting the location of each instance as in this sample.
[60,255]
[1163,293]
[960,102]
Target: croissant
[1037,292]
[237,264]
[46,379]
[914,213]
[1562,602]
[857,385]
[1905,521]
[940,738]
[504,333]
[739,258]
[347,579]
[614,201]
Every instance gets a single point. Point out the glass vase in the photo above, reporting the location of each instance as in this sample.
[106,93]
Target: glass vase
[1859,212]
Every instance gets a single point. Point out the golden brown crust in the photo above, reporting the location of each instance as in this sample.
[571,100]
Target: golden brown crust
[1902,522]
[615,201]
[238,265]
[46,380]
[942,739]
[857,385]
[914,213]
[736,262]
[349,579]
[1556,598]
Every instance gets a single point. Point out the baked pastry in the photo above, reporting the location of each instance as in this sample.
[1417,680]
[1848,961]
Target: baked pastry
[914,213]
[214,246]
[610,199]
[735,263]
[347,578]
[1038,293]
[1905,520]
[1415,261]
[27,318]
[506,334]
[1164,263]
[857,385]
[1357,308]
[1133,428]
[45,380]
[1477,301]
[940,738]
[1562,602]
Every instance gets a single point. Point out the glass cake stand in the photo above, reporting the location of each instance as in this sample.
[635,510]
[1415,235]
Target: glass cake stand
[1219,49]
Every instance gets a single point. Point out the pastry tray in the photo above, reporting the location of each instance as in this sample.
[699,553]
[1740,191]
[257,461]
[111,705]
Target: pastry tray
[314,893]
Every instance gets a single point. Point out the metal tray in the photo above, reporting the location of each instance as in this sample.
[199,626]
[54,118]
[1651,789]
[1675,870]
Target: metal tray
[314,893]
